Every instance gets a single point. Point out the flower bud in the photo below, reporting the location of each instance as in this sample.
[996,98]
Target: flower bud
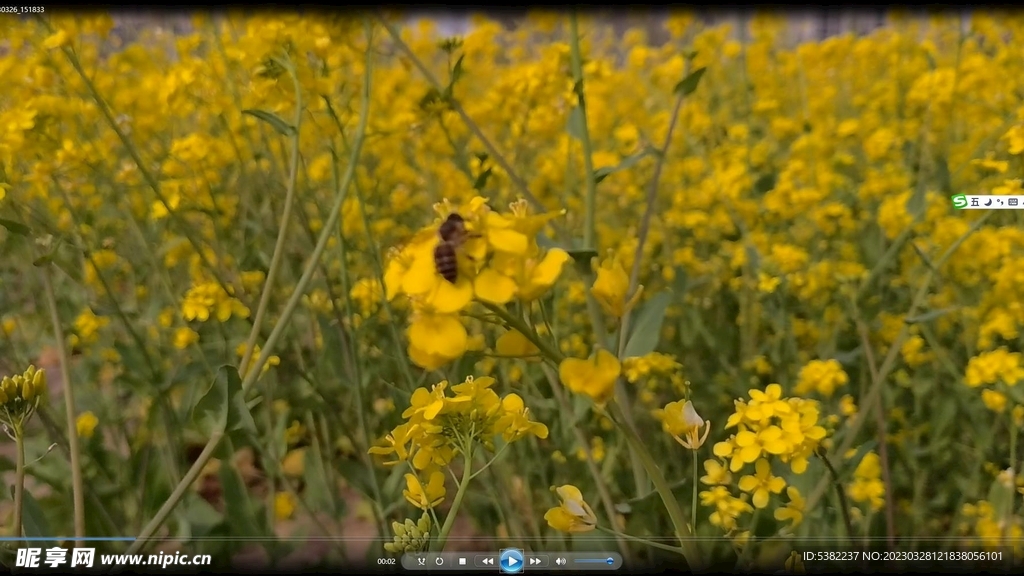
[10,387]
[27,391]
[399,529]
[39,381]
[3,397]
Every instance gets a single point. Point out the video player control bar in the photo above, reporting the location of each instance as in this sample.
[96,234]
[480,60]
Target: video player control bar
[511,561]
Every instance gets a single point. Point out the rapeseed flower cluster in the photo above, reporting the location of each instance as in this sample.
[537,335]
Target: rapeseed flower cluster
[769,429]
[20,396]
[440,426]
[500,262]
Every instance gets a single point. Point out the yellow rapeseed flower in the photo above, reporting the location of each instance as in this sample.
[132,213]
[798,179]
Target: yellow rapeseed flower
[573,515]
[611,288]
[425,496]
[86,424]
[594,377]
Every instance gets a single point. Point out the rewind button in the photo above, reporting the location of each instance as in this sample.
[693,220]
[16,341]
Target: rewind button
[486,561]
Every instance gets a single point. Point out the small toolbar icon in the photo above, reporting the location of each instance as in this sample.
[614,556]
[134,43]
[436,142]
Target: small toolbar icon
[560,561]
[535,561]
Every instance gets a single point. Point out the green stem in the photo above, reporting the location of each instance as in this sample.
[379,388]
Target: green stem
[514,322]
[282,234]
[491,461]
[693,498]
[841,494]
[658,545]
[179,492]
[19,479]
[449,520]
[1013,476]
[77,490]
[690,549]
[590,200]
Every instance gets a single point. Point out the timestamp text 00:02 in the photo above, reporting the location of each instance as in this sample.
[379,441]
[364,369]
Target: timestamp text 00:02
[384,561]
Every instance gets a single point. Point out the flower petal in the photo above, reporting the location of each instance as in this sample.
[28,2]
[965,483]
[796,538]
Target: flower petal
[491,286]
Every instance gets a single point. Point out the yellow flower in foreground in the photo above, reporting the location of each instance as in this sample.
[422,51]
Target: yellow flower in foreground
[573,514]
[425,496]
[594,377]
[86,424]
[762,484]
[611,288]
[680,419]
[436,339]
[793,511]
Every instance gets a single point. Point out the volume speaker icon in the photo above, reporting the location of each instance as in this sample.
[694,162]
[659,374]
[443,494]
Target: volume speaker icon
[560,561]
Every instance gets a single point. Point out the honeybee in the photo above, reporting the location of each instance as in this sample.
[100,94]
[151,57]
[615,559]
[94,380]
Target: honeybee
[453,235]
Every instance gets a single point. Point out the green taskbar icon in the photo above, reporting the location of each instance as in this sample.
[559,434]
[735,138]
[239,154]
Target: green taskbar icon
[960,201]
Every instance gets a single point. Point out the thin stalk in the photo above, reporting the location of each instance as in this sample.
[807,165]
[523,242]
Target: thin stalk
[77,490]
[693,498]
[279,248]
[883,443]
[841,494]
[690,549]
[658,545]
[590,200]
[449,520]
[19,479]
[300,288]
[1014,429]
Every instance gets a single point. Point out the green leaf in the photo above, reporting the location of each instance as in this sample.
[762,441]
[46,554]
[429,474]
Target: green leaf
[753,258]
[457,70]
[33,518]
[929,316]
[318,493]
[577,126]
[223,406]
[647,331]
[687,85]
[237,504]
[201,516]
[481,180]
[15,227]
[275,121]
[916,203]
[627,162]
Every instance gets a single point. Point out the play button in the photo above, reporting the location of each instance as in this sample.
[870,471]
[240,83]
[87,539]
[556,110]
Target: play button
[511,561]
